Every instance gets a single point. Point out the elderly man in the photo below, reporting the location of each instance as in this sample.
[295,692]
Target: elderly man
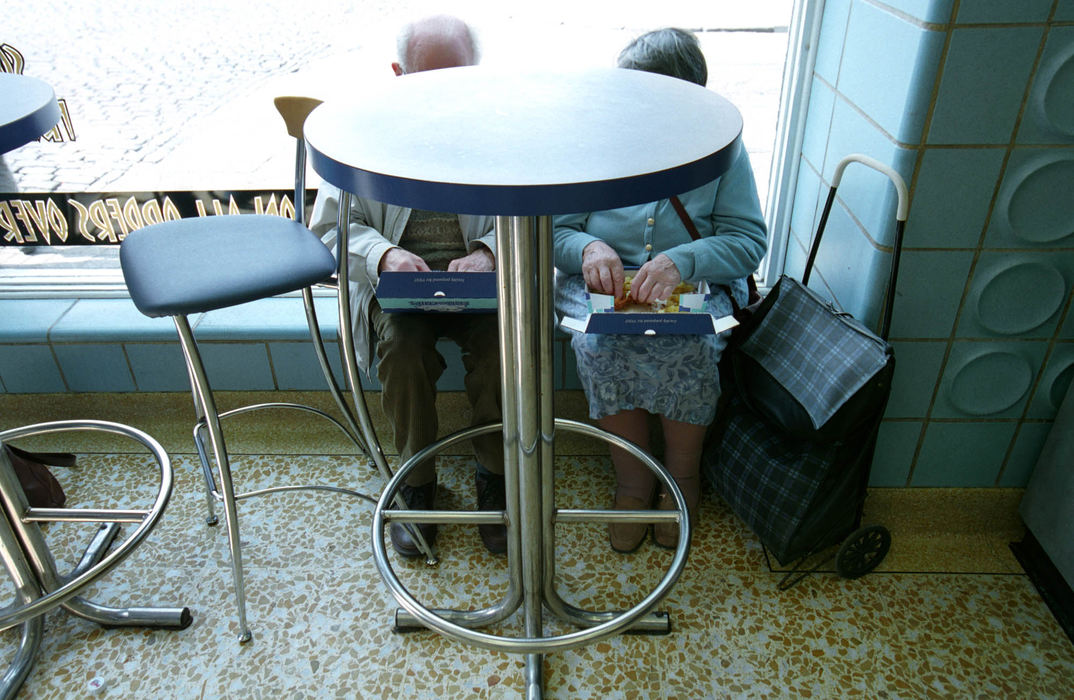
[384,237]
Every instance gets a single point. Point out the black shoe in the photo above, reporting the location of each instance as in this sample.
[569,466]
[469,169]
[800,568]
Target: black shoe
[417,498]
[491,495]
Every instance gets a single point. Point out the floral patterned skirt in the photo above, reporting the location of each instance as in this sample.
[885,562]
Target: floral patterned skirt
[673,375]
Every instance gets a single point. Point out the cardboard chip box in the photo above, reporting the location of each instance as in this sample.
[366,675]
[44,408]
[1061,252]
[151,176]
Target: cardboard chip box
[690,319]
[457,292]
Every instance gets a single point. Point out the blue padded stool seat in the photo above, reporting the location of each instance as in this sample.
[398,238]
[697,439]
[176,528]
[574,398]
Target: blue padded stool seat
[211,262]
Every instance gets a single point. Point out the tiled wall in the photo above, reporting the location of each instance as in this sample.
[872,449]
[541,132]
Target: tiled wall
[972,102]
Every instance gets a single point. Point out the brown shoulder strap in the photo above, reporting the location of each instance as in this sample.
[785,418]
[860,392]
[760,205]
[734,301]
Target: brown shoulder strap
[686,220]
[751,285]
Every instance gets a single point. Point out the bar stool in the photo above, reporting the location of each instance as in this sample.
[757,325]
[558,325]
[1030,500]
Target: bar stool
[190,266]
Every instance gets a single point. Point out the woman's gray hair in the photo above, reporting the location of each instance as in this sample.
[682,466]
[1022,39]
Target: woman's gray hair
[670,51]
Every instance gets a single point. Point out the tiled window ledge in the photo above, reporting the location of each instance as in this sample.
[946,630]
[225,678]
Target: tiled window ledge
[106,345]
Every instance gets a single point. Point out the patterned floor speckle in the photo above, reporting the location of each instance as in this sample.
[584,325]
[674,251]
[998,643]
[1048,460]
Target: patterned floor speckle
[322,618]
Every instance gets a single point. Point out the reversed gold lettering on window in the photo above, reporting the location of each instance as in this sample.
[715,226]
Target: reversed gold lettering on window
[57,221]
[171,212]
[151,212]
[132,215]
[98,214]
[83,218]
[8,225]
[11,60]
[20,206]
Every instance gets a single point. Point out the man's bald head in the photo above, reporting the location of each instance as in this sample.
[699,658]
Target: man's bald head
[440,41]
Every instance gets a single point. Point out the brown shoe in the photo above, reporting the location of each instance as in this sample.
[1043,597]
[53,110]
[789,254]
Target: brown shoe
[627,537]
[666,535]
[417,498]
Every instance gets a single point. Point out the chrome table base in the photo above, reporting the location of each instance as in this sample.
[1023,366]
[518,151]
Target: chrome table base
[29,562]
[526,316]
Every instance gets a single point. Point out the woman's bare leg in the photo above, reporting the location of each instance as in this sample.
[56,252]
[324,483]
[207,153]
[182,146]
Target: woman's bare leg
[682,457]
[634,481]
[633,478]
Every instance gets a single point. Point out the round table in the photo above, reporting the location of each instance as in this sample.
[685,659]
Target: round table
[523,147]
[28,109]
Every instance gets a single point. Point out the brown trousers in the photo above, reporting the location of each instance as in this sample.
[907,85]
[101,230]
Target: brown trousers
[409,366]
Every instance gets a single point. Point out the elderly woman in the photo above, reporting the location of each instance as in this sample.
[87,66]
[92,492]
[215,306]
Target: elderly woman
[629,378]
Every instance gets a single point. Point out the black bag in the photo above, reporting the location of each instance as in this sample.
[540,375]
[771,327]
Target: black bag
[811,370]
[41,487]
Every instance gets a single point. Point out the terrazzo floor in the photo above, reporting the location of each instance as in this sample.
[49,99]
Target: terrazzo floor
[949,614]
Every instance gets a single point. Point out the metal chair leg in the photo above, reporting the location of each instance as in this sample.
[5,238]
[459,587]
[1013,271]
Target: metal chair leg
[204,399]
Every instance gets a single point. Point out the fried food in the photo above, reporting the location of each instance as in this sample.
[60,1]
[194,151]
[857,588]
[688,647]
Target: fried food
[628,303]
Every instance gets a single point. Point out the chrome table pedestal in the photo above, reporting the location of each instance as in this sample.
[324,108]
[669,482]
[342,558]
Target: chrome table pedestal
[522,146]
[529,428]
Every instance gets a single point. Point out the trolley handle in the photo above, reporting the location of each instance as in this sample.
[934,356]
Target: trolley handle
[900,224]
[896,179]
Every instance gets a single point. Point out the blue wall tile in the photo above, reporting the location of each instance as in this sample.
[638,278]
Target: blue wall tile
[808,197]
[917,369]
[1016,294]
[929,291]
[1049,112]
[895,447]
[1054,384]
[94,367]
[853,270]
[952,197]
[158,366]
[1064,11]
[296,366]
[30,369]
[819,118]
[988,380]
[454,377]
[1003,11]
[1027,446]
[797,254]
[936,11]
[983,84]
[237,366]
[832,39]
[962,454]
[886,68]
[29,320]
[570,368]
[1034,207]
[868,194]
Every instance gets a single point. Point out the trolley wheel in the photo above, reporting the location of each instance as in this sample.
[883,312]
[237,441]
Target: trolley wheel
[862,551]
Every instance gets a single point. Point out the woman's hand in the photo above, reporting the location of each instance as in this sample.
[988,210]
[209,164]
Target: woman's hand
[655,280]
[602,269]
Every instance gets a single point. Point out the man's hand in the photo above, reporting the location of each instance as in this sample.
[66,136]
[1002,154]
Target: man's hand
[480,260]
[656,279]
[400,260]
[602,269]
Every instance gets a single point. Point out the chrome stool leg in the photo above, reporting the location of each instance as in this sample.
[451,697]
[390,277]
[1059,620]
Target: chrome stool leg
[204,398]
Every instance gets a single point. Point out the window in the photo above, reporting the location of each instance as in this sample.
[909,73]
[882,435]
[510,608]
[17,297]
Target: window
[167,97]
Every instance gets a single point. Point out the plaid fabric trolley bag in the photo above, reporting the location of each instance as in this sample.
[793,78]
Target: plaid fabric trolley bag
[805,387]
